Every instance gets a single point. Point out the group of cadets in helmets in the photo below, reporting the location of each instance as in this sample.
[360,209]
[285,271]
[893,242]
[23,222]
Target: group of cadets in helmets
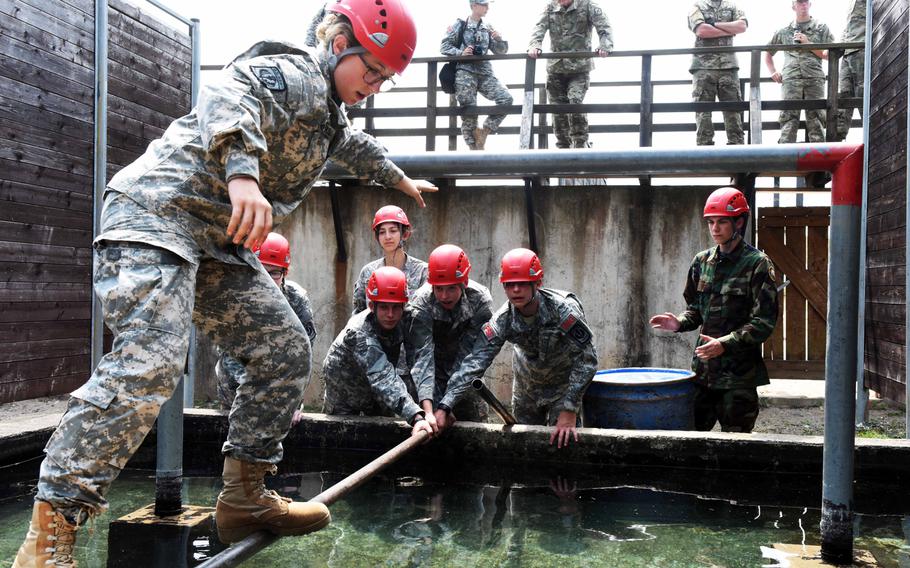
[186,237]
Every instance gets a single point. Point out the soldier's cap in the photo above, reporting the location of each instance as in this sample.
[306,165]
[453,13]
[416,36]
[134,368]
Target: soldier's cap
[481,2]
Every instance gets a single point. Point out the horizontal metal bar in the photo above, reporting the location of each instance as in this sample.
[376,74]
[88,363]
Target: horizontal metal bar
[170,12]
[780,159]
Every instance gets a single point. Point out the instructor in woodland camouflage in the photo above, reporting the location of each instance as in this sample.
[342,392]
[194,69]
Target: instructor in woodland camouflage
[730,293]
[569,23]
[803,77]
[716,75]
[177,233]
[473,36]
[553,360]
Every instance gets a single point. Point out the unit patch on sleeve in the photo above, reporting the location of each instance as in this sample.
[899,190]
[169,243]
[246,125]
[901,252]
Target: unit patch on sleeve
[270,77]
[489,331]
[576,330]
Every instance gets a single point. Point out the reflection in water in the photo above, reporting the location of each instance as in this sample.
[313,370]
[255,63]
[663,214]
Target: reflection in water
[406,520]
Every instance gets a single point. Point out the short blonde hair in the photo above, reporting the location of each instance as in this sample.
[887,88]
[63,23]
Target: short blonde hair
[334,25]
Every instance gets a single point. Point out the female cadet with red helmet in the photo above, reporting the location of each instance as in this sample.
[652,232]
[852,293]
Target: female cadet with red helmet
[391,229]
[553,361]
[177,231]
[730,293]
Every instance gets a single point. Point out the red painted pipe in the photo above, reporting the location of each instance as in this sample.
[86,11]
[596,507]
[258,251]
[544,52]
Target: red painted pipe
[845,162]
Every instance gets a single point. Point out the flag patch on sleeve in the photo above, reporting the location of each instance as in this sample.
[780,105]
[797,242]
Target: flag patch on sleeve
[489,331]
[576,330]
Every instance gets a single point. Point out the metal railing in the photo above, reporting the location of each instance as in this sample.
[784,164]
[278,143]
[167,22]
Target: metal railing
[533,133]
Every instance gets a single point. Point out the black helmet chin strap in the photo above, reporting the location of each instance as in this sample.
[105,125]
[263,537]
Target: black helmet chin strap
[333,60]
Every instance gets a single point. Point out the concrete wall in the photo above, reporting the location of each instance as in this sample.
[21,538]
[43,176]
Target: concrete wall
[623,251]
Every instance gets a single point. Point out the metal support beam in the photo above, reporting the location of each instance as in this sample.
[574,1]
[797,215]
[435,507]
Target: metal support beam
[834,56]
[431,107]
[646,116]
[755,99]
[100,160]
[862,393]
[531,214]
[867,95]
[527,107]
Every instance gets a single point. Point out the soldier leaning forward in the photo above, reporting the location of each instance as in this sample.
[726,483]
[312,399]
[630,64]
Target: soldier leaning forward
[477,38]
[449,312]
[360,367]
[176,232]
[275,256]
[554,359]
[852,66]
[716,75]
[803,77]
[569,23]
[730,293]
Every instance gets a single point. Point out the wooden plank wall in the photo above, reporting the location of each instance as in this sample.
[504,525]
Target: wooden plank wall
[46,131]
[885,335]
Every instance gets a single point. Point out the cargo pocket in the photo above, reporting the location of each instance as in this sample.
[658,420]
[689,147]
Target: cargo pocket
[736,303]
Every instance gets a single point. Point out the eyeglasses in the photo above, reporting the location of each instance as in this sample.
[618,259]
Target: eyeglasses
[276,272]
[374,76]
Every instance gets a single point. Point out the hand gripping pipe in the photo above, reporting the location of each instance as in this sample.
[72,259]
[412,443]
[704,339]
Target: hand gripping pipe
[498,407]
[246,548]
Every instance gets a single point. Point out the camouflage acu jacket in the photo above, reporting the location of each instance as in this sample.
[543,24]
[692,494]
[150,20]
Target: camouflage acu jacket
[802,64]
[708,11]
[443,338]
[856,24]
[478,35]
[360,366]
[554,356]
[570,30]
[414,269]
[269,115]
[732,298]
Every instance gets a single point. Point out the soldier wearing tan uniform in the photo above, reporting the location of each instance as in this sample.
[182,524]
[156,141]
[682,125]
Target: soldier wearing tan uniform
[177,233]
[716,75]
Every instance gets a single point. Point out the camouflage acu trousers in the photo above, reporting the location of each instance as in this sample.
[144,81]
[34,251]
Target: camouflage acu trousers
[537,392]
[467,85]
[802,89]
[723,85]
[852,74]
[569,88]
[148,295]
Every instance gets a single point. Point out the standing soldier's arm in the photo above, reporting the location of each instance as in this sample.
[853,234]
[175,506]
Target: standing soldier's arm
[540,30]
[824,36]
[691,318]
[448,45]
[769,58]
[602,25]
[420,335]
[763,315]
[474,333]
[359,301]
[485,349]
[498,45]
[384,381]
[583,368]
[736,26]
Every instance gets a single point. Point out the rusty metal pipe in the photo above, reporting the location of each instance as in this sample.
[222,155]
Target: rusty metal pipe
[498,407]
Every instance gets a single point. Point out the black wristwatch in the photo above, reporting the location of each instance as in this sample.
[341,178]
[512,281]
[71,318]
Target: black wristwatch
[444,407]
[418,416]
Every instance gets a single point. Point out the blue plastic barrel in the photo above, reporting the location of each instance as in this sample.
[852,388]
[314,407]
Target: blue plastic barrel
[641,398]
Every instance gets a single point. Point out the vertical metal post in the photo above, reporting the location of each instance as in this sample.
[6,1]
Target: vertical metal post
[646,116]
[342,253]
[862,393]
[834,56]
[532,215]
[527,107]
[755,99]
[840,362]
[542,143]
[189,385]
[431,106]
[100,161]
[866,98]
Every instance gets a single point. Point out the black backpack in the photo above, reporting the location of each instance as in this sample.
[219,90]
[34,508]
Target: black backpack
[447,73]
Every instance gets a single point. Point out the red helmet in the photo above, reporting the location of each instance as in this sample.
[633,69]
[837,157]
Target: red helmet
[520,265]
[726,202]
[448,265]
[385,28]
[275,251]
[388,284]
[390,214]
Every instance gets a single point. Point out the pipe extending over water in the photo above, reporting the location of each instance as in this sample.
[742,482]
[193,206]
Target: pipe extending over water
[498,407]
[246,548]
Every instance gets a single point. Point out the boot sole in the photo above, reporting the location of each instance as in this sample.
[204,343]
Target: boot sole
[235,534]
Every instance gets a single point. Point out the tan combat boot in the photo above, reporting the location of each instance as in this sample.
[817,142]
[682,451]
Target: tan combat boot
[50,539]
[246,506]
[480,137]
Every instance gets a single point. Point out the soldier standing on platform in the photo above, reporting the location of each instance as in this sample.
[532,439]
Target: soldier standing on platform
[803,77]
[852,66]
[569,23]
[730,293]
[716,75]
[449,312]
[553,361]
[177,232]
[477,38]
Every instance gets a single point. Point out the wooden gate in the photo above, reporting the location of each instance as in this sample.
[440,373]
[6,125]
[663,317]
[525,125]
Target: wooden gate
[796,239]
